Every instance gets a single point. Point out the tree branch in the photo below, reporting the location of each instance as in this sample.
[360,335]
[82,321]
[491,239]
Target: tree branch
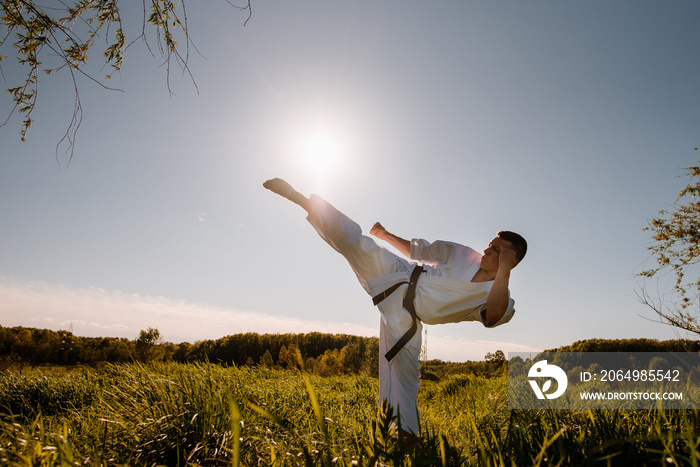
[69,33]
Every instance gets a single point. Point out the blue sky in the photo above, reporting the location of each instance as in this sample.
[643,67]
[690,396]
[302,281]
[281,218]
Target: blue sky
[569,122]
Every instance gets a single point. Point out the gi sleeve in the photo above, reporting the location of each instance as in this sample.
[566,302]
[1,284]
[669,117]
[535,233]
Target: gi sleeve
[510,311]
[437,252]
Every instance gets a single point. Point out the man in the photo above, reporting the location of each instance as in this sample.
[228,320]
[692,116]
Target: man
[446,283]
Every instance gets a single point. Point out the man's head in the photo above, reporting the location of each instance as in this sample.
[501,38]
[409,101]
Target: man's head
[504,240]
[518,242]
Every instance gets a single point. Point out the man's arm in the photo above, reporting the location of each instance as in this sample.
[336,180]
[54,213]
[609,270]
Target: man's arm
[497,301]
[401,244]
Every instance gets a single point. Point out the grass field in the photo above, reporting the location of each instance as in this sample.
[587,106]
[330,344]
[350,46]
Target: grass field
[204,414]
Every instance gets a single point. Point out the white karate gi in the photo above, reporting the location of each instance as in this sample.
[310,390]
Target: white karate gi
[444,294]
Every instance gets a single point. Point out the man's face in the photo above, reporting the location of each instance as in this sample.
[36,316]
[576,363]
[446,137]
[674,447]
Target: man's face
[491,254]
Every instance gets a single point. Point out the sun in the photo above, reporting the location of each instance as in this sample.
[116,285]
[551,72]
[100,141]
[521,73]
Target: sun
[321,151]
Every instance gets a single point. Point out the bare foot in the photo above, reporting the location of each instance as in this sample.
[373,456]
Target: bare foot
[281,187]
[411,441]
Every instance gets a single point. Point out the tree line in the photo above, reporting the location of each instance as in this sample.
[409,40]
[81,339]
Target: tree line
[326,354]
[630,345]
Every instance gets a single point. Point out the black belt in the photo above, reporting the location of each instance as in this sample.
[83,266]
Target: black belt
[407,304]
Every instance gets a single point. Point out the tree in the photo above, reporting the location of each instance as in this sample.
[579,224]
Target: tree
[288,356]
[371,363]
[147,344]
[676,249]
[329,364]
[59,37]
[266,360]
[352,356]
[497,358]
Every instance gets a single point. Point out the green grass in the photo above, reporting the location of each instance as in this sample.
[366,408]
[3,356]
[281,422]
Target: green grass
[204,414]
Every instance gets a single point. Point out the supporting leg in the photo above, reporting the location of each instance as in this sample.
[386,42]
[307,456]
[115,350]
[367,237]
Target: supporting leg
[399,380]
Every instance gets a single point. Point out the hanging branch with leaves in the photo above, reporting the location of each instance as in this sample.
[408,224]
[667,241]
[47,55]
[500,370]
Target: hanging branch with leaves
[48,39]
[676,234]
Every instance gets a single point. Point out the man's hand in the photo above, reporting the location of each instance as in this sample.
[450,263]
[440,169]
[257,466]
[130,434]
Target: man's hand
[507,258]
[378,231]
[403,245]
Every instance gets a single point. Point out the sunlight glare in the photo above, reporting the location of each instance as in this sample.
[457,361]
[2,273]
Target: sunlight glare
[321,151]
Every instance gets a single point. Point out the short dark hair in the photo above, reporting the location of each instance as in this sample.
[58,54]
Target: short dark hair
[519,243]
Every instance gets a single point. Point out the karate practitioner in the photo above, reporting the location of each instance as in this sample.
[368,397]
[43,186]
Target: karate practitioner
[444,283]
